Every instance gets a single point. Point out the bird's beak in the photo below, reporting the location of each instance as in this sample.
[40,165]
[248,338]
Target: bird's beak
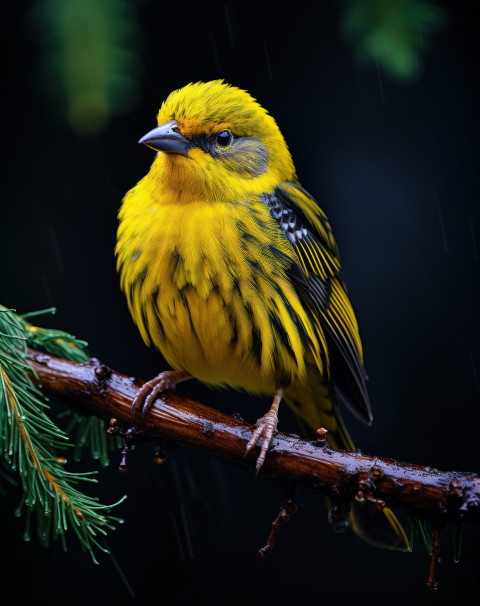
[167,138]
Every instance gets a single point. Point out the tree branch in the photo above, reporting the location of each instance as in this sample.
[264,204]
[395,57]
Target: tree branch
[430,494]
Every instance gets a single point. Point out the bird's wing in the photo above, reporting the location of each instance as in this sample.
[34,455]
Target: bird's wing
[317,280]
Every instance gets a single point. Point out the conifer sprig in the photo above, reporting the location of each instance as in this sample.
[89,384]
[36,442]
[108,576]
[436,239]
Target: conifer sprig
[30,441]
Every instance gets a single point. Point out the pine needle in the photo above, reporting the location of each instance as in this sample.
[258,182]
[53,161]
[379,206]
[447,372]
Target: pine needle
[425,537]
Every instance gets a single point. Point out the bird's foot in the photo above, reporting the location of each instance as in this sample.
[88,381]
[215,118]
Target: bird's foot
[264,428]
[148,393]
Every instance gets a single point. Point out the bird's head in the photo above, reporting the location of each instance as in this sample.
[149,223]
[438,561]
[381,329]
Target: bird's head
[216,140]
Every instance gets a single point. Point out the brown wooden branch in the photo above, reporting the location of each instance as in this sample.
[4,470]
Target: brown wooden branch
[93,388]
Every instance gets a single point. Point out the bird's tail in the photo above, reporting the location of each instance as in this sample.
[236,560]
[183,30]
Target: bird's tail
[314,407]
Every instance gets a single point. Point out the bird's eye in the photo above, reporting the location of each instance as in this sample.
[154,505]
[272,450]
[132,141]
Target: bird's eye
[224,139]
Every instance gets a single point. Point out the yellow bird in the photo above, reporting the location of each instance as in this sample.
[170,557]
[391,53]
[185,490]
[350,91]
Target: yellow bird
[231,270]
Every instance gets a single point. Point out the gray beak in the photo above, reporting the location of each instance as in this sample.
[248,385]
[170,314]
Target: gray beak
[167,138]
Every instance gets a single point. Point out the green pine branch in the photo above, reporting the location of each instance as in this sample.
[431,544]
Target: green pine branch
[30,441]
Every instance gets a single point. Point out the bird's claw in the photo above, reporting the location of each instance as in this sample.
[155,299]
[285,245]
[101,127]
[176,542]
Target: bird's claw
[265,427]
[148,393]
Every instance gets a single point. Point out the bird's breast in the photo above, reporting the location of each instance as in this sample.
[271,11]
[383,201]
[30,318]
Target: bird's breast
[206,284]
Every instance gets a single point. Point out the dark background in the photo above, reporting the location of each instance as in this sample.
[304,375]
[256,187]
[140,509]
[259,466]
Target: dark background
[394,165]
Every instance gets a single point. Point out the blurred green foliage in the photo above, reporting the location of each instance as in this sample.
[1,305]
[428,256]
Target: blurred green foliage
[90,50]
[89,53]
[392,33]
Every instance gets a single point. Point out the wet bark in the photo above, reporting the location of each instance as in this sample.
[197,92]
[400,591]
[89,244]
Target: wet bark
[94,388]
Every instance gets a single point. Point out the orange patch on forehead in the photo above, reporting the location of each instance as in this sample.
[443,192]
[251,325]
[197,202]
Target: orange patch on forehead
[191,127]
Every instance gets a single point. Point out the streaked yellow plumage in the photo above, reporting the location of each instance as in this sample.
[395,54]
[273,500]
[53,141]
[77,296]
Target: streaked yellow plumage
[197,327]
[230,268]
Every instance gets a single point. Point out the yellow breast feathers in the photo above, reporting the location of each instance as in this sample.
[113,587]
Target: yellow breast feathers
[207,284]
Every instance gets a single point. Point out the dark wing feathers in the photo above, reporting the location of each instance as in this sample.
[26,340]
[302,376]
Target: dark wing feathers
[319,285]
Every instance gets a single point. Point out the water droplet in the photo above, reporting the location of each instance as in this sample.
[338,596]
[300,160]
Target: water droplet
[18,512]
[26,536]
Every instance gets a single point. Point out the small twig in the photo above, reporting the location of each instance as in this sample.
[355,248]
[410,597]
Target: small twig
[432,583]
[129,437]
[287,509]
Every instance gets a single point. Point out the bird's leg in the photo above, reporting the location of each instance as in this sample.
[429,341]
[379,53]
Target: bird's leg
[146,396]
[265,427]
